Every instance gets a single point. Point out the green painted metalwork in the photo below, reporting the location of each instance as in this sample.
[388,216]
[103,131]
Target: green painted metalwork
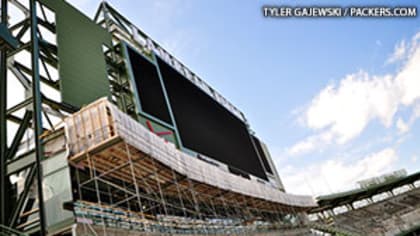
[6,38]
[37,109]
[347,197]
[83,70]
[3,121]
[19,205]
[19,134]
[21,162]
[142,117]
[6,231]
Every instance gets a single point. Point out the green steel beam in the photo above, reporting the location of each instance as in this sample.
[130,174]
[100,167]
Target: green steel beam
[59,106]
[21,25]
[21,162]
[3,121]
[19,206]
[22,47]
[7,40]
[47,25]
[14,119]
[37,108]
[48,82]
[19,135]
[6,231]
[17,120]
[19,106]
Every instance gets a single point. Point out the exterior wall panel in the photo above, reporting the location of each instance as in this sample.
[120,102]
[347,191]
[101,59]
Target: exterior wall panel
[82,67]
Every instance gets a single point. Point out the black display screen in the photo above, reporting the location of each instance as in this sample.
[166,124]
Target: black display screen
[207,127]
[263,157]
[149,88]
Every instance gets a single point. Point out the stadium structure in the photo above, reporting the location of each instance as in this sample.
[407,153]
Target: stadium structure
[109,134]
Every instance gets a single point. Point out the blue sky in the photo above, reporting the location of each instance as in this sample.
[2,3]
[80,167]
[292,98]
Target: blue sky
[336,100]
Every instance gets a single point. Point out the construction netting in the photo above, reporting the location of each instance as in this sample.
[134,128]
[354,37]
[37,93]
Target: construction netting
[102,121]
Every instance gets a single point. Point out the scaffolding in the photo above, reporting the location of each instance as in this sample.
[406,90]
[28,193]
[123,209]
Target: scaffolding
[109,172]
[127,176]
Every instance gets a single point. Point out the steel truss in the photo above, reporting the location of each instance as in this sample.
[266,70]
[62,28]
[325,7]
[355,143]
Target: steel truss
[33,64]
[144,191]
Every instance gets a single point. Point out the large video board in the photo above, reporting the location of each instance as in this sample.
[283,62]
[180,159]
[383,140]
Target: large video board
[262,154]
[206,127]
[148,86]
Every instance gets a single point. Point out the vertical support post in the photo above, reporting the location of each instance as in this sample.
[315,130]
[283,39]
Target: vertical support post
[37,107]
[126,196]
[196,203]
[3,121]
[227,213]
[98,194]
[192,191]
[162,197]
[179,193]
[213,209]
[79,188]
[136,186]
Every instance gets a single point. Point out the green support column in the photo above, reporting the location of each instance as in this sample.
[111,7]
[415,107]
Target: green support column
[37,109]
[3,121]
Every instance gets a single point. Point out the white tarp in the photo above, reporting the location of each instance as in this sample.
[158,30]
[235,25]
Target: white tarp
[92,125]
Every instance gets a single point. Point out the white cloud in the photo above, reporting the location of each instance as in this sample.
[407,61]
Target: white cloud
[399,52]
[335,175]
[343,111]
[347,108]
[318,141]
[402,126]
[302,147]
[407,80]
